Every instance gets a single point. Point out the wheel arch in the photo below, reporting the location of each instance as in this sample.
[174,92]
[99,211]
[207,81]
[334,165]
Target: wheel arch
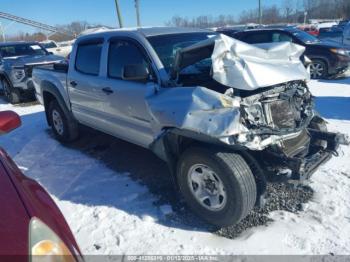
[50,93]
[173,142]
[324,60]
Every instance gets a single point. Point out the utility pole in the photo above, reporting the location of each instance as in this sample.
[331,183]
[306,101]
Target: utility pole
[120,20]
[305,15]
[137,6]
[260,14]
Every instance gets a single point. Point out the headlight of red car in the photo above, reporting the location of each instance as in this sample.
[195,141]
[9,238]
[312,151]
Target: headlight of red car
[45,244]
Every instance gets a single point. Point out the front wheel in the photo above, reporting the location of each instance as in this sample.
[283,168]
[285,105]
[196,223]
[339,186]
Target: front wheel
[318,69]
[218,186]
[11,94]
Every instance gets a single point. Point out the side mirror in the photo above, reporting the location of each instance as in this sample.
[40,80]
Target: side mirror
[51,53]
[61,66]
[9,121]
[136,72]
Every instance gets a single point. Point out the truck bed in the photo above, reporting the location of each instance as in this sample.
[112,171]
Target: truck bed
[51,74]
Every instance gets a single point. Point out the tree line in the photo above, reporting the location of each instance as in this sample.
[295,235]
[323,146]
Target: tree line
[70,31]
[290,11]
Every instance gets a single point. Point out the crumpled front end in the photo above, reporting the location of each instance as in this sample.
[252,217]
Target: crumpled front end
[266,110]
[196,109]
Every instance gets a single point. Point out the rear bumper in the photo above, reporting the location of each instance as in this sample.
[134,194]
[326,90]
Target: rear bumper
[300,168]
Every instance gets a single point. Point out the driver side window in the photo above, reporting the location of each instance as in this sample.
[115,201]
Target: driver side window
[122,53]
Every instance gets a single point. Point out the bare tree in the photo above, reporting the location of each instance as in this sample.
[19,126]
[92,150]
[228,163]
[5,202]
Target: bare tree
[203,21]
[288,10]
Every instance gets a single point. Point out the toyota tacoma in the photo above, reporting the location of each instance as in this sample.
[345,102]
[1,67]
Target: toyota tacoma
[227,117]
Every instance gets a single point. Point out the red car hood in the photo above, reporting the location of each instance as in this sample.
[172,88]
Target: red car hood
[14,219]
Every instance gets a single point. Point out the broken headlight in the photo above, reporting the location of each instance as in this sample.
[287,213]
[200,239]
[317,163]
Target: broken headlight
[254,115]
[18,74]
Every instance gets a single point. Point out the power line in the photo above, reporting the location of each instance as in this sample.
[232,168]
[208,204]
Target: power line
[33,23]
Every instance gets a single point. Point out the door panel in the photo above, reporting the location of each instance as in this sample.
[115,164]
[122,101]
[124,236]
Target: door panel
[87,98]
[125,108]
[84,84]
[127,113]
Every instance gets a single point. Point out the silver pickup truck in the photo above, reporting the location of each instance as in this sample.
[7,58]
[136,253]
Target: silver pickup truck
[227,117]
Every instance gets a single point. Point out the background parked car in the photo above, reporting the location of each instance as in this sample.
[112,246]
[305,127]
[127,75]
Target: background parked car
[346,35]
[331,34]
[17,60]
[328,58]
[312,30]
[60,49]
[32,224]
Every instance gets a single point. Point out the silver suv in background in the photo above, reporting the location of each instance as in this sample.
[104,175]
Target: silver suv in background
[17,60]
[202,103]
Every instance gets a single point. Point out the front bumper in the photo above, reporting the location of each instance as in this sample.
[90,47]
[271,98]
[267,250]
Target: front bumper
[341,64]
[301,167]
[26,85]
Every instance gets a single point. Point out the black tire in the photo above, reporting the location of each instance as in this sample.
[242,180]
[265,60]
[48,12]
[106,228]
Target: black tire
[67,130]
[321,72]
[11,94]
[236,177]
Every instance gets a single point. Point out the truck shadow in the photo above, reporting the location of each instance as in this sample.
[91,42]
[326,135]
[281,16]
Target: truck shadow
[99,170]
[144,168]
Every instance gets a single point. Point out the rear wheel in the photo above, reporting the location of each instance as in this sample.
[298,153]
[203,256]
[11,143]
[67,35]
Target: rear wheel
[318,69]
[218,186]
[11,94]
[64,130]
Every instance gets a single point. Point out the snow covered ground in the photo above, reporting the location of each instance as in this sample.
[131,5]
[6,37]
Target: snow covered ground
[117,197]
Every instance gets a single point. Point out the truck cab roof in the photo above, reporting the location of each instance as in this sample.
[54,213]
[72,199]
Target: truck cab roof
[147,31]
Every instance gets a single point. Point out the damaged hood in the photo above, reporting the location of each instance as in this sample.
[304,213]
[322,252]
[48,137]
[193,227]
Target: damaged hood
[242,66]
[196,109]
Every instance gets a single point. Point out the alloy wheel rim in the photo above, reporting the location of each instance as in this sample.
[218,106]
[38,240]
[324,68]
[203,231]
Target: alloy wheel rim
[57,122]
[207,187]
[316,70]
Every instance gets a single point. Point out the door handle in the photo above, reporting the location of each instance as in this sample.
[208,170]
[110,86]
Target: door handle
[73,83]
[107,90]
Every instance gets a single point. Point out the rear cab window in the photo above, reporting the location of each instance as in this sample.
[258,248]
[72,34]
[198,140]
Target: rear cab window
[88,57]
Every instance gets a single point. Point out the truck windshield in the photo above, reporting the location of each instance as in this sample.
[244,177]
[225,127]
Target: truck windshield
[166,46]
[22,50]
